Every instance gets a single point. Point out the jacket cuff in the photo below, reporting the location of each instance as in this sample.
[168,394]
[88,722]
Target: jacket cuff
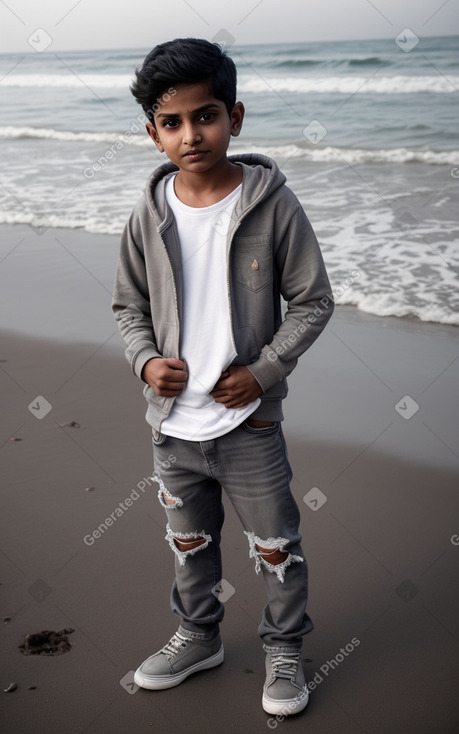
[266,370]
[140,360]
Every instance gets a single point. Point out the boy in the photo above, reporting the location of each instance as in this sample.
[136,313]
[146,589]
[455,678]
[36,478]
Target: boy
[205,257]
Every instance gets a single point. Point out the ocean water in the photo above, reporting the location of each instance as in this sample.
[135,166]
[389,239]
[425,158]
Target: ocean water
[365,131]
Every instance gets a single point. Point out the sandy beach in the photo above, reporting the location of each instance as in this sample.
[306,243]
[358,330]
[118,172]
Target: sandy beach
[372,430]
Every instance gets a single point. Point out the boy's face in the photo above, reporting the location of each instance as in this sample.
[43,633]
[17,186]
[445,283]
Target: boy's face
[194,129]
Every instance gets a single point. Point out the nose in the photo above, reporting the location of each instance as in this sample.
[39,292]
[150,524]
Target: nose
[190,134]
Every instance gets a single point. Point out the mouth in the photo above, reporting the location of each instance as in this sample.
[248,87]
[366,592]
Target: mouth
[195,155]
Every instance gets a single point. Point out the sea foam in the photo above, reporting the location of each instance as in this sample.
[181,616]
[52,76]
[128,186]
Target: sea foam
[395,84]
[281,153]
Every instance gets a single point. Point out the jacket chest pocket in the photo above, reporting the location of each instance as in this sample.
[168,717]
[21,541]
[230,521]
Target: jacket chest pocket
[252,258]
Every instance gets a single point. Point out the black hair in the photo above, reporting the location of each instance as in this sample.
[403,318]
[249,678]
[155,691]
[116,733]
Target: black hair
[184,61]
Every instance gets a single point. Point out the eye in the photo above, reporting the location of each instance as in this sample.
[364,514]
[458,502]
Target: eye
[207,116]
[171,122]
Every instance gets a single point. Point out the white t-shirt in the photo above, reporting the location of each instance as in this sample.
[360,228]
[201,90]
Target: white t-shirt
[207,342]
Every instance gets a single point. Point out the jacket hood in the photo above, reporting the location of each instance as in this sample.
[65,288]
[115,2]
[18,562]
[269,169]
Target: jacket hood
[260,178]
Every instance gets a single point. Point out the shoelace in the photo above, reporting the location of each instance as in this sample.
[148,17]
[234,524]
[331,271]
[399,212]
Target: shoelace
[284,665]
[175,644]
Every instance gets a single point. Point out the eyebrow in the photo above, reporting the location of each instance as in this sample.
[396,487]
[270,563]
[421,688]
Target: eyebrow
[205,107]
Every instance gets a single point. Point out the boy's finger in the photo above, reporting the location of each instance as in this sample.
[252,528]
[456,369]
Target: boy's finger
[170,386]
[219,384]
[173,363]
[219,391]
[168,393]
[174,387]
[174,375]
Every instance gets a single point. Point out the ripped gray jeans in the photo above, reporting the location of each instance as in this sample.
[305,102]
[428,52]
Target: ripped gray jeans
[251,464]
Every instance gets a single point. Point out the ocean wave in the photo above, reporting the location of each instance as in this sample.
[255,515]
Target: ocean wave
[368,61]
[297,63]
[384,304]
[356,155]
[249,83]
[100,81]
[128,137]
[314,153]
[351,84]
[94,224]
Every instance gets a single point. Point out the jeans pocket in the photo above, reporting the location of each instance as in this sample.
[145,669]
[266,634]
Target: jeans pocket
[264,431]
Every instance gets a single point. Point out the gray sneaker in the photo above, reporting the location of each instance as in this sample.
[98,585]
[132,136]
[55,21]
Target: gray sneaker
[285,691]
[181,657]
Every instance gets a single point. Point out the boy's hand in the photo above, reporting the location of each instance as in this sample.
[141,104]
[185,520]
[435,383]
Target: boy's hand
[236,388]
[166,375]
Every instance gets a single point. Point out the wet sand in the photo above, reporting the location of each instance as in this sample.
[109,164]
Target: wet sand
[372,429]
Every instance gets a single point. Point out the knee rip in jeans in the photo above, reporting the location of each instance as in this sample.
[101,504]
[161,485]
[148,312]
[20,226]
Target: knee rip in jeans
[166,499]
[271,554]
[186,544]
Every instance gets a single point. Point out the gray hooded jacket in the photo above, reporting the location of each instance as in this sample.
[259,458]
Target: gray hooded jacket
[271,252]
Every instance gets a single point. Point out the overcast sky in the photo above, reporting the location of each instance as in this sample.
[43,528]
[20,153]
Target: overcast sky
[84,24]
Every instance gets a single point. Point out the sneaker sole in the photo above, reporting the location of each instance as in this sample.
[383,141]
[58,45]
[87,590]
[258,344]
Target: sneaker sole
[284,707]
[161,682]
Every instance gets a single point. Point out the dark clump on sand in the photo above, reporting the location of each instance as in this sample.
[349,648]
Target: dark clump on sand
[47,642]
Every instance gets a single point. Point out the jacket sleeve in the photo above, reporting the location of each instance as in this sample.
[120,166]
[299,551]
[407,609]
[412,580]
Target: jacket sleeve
[131,302]
[305,287]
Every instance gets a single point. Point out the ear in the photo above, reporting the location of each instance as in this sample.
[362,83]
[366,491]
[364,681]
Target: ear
[153,133]
[237,117]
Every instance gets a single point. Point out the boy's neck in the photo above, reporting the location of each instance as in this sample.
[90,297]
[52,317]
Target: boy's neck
[209,187]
